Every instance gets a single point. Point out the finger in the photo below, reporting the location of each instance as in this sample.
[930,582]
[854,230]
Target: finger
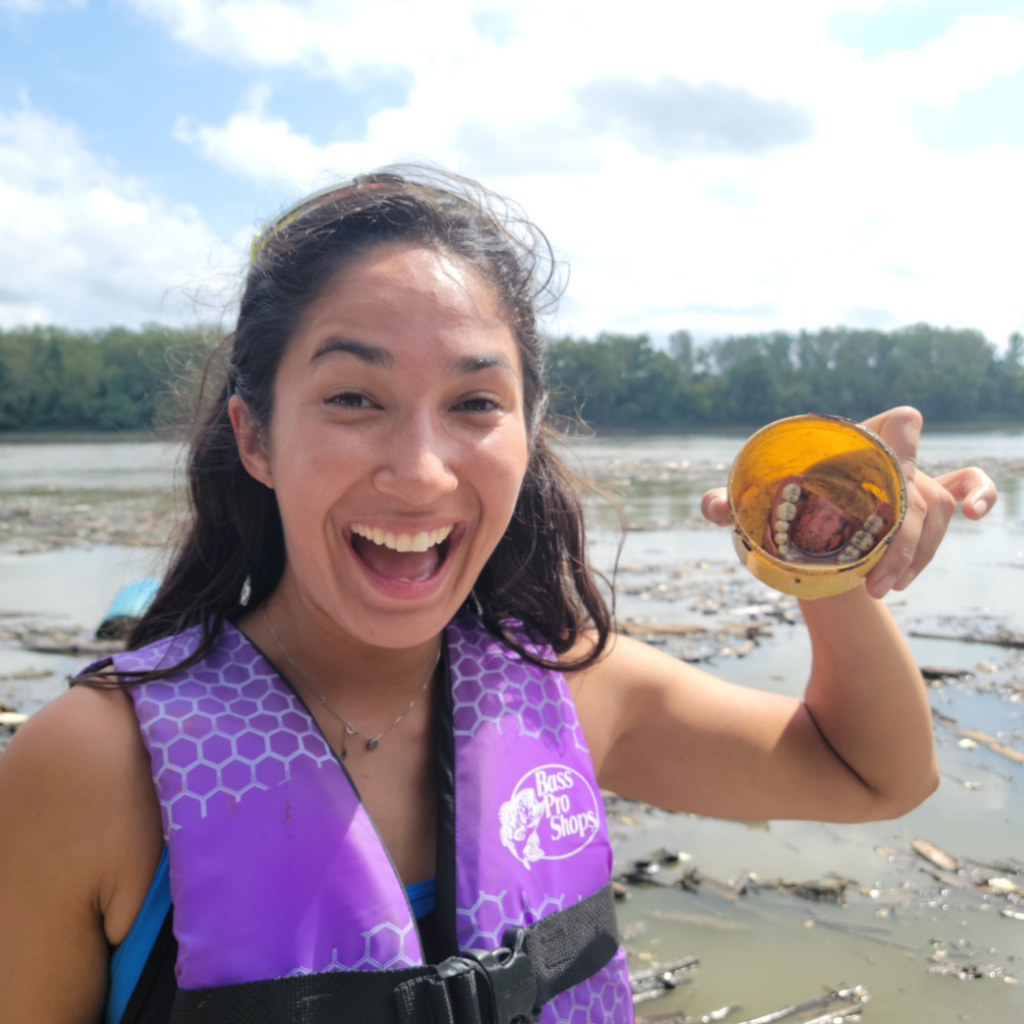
[972,487]
[900,556]
[900,429]
[715,506]
[941,506]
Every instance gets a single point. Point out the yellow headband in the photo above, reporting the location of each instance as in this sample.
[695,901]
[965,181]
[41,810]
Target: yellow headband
[311,201]
[296,210]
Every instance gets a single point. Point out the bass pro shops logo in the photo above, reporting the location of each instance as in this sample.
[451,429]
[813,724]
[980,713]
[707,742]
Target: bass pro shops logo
[552,814]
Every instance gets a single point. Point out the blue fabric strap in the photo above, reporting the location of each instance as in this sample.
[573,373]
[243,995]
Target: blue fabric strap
[421,896]
[130,957]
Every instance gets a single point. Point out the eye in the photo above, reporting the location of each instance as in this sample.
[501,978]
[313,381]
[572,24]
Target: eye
[478,404]
[351,400]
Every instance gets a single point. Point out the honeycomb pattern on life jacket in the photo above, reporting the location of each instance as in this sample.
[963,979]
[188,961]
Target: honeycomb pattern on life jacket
[604,998]
[484,923]
[489,686]
[385,950]
[230,727]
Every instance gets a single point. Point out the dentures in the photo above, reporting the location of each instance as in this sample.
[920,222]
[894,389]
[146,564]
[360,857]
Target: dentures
[804,525]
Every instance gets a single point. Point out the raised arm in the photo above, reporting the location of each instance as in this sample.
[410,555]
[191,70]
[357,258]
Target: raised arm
[858,747]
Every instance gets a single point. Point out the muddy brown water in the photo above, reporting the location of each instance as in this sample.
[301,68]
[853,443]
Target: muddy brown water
[765,949]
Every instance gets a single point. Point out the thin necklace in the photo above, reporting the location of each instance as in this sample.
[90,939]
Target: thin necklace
[349,730]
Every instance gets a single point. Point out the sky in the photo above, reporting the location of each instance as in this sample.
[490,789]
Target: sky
[721,167]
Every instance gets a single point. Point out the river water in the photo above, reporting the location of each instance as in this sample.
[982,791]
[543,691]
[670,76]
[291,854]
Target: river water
[764,949]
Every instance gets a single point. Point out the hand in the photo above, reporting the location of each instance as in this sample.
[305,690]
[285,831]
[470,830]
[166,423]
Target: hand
[930,503]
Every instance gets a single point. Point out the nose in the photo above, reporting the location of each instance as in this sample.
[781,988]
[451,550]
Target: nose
[417,468]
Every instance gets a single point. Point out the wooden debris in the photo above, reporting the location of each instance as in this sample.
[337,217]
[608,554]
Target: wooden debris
[934,855]
[965,971]
[679,629]
[716,1015]
[27,673]
[944,672]
[856,995]
[850,1013]
[993,744]
[655,982]
[825,890]
[96,648]
[999,640]
[1003,886]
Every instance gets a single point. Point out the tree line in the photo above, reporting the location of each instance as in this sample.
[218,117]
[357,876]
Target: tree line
[621,382]
[53,379]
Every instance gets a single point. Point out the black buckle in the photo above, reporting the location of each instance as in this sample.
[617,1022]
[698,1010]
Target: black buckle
[500,981]
[510,979]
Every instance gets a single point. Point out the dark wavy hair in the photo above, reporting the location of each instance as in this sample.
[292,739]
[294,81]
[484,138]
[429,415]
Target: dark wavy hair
[538,574]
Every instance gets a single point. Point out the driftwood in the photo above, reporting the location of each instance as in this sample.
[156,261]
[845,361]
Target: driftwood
[93,647]
[678,629]
[993,744]
[934,855]
[680,1017]
[858,994]
[655,982]
[966,638]
[837,1017]
[944,672]
[981,737]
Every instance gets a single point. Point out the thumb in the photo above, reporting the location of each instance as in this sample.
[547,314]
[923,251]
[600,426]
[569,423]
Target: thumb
[715,506]
[900,429]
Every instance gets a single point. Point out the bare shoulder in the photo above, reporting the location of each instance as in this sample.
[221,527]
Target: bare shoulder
[75,787]
[83,746]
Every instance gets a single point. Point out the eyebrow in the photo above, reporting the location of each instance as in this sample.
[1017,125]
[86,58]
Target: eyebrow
[376,356]
[474,364]
[372,355]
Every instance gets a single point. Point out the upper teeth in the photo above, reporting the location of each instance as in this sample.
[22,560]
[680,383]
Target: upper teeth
[402,541]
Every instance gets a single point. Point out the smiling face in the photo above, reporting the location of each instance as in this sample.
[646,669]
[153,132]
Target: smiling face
[396,446]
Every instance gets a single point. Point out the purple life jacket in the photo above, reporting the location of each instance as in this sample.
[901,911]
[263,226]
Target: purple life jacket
[276,868]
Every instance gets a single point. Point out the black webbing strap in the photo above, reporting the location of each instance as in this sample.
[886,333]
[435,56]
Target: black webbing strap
[153,995]
[477,987]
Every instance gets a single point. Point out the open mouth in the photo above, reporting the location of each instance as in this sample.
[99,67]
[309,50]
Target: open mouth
[405,557]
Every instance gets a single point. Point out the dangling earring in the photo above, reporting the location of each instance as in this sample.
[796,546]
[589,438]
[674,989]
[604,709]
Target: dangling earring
[243,597]
[478,608]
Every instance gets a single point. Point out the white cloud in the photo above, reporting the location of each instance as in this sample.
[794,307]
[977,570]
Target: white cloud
[82,244]
[773,224]
[976,50]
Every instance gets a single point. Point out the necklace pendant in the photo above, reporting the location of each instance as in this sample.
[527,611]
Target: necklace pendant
[349,729]
[371,744]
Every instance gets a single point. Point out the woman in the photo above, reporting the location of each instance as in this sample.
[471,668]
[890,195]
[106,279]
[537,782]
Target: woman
[381,639]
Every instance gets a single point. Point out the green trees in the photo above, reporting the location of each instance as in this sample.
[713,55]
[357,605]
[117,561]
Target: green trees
[53,379]
[952,376]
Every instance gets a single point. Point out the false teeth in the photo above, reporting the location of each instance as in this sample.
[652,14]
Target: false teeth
[403,541]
